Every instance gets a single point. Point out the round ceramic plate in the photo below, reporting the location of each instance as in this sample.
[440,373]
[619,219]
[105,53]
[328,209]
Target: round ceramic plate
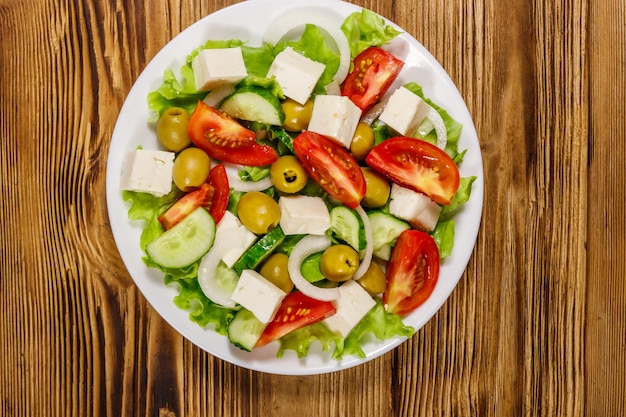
[241,21]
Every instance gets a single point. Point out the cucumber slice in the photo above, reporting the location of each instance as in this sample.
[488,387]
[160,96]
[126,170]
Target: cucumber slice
[254,104]
[260,250]
[385,228]
[348,226]
[185,243]
[245,330]
[383,253]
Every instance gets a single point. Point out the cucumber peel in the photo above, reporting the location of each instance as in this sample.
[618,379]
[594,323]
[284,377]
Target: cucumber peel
[254,104]
[260,250]
[185,243]
[348,226]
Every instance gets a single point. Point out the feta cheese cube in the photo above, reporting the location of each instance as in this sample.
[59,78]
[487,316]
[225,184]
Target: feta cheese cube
[416,208]
[215,67]
[148,171]
[352,305]
[335,117]
[405,111]
[303,214]
[296,74]
[233,238]
[255,293]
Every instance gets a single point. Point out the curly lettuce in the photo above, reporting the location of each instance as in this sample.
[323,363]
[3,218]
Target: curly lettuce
[366,28]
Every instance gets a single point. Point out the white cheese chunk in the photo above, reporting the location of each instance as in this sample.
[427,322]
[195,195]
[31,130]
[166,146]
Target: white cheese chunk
[303,214]
[233,238]
[215,67]
[255,293]
[335,117]
[148,171]
[296,74]
[416,208]
[404,112]
[352,305]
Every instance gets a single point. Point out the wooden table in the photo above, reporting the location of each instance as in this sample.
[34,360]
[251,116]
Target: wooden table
[536,325]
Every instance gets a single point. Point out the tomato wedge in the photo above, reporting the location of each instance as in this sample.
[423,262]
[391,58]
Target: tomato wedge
[202,196]
[418,165]
[223,138]
[219,180]
[331,166]
[297,310]
[412,272]
[373,73]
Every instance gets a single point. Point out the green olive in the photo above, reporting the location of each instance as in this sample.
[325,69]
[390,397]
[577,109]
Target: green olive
[288,175]
[258,212]
[362,141]
[297,116]
[191,168]
[339,262]
[374,280]
[275,270]
[172,129]
[377,189]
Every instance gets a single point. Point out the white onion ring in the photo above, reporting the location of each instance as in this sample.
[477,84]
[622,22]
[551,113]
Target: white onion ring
[373,113]
[294,19]
[206,270]
[308,245]
[232,172]
[369,247]
[440,127]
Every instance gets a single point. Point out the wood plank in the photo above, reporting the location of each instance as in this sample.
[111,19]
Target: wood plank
[532,329]
[605,338]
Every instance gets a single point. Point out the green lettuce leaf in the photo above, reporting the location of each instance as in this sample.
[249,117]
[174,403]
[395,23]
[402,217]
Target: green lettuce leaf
[366,28]
[444,231]
[300,340]
[443,236]
[249,173]
[147,208]
[461,197]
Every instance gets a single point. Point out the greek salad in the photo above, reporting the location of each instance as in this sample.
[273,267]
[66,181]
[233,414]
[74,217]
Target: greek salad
[299,194]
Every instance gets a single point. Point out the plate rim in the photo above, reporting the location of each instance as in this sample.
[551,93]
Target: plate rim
[302,367]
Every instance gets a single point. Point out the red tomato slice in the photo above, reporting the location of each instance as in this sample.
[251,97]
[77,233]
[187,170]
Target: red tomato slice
[412,272]
[297,310]
[373,73]
[219,180]
[223,138]
[331,166]
[202,196]
[418,165]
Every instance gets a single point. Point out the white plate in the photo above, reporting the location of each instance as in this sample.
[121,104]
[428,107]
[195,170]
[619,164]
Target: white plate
[242,21]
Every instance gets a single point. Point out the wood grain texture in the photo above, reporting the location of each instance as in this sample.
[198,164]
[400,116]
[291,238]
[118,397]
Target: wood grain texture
[535,327]
[605,336]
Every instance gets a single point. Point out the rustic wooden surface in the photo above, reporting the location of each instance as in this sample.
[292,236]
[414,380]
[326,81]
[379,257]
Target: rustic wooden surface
[536,326]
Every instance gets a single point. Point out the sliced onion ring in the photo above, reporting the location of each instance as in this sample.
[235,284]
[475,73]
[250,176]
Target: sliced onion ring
[369,248]
[440,127]
[373,113]
[232,172]
[308,245]
[297,18]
